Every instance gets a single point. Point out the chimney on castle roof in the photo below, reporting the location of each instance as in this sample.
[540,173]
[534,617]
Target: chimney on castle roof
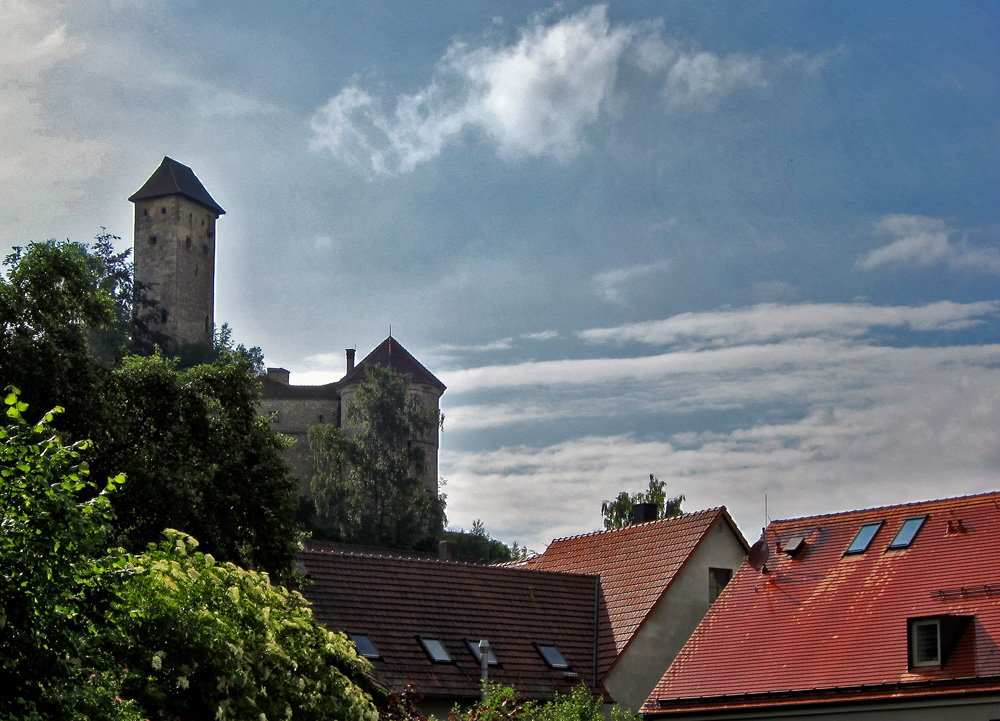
[350,359]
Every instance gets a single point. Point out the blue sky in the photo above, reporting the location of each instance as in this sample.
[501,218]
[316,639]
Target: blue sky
[752,248]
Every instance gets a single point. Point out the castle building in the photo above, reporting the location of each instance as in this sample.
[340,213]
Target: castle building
[297,408]
[174,256]
[174,253]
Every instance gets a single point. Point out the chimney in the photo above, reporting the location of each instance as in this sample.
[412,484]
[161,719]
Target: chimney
[643,512]
[448,551]
[350,359]
[278,375]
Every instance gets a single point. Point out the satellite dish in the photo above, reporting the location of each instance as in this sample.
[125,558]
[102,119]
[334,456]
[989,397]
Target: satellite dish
[759,553]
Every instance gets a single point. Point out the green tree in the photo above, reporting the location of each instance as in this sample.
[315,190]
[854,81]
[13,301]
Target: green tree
[618,512]
[189,436]
[504,703]
[191,637]
[201,460]
[50,591]
[367,487]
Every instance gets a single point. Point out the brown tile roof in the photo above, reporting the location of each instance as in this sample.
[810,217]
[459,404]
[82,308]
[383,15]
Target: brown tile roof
[636,564]
[173,178]
[390,354]
[824,626]
[395,600]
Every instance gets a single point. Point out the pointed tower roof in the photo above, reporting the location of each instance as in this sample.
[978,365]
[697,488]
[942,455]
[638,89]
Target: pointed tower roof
[173,178]
[390,354]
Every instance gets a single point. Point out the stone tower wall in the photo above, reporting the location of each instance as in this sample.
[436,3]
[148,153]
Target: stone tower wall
[174,255]
[293,418]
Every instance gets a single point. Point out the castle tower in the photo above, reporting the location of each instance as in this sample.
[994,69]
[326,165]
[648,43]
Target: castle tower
[174,252]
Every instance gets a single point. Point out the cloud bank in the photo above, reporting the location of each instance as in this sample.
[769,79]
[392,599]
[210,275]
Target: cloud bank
[805,403]
[537,96]
[923,242]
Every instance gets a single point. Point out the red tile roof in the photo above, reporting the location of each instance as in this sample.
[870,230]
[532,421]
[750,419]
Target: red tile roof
[173,178]
[395,600]
[823,625]
[636,564]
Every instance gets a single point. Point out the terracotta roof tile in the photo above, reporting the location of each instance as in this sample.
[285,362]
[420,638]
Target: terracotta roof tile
[395,600]
[824,623]
[636,563]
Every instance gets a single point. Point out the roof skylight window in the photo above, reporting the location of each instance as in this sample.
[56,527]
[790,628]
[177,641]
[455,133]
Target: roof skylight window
[551,655]
[364,645]
[436,650]
[864,537]
[491,658]
[907,532]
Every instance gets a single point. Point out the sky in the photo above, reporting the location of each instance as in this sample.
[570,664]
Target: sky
[750,248]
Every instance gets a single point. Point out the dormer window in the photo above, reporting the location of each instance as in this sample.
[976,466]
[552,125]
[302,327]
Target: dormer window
[435,650]
[364,645]
[551,655]
[491,659]
[864,538]
[933,638]
[907,532]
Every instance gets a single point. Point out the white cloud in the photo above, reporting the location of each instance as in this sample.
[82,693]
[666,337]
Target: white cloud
[534,97]
[700,80]
[537,96]
[501,344]
[541,335]
[923,242]
[612,283]
[769,322]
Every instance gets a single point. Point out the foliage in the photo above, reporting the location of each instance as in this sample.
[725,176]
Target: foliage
[200,458]
[208,464]
[368,486]
[504,704]
[618,513]
[479,545]
[50,595]
[200,639]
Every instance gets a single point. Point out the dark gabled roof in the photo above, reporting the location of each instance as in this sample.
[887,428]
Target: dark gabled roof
[173,178]
[823,625]
[390,354]
[636,564]
[395,601]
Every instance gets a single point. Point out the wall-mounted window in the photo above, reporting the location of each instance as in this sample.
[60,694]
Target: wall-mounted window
[163,211]
[204,249]
[145,211]
[491,659]
[187,242]
[925,642]
[364,645]
[435,650]
[551,655]
[163,315]
[907,532]
[718,579]
[152,240]
[864,537]
[932,639]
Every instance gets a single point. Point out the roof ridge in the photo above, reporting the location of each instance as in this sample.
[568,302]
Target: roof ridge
[971,496]
[683,516]
[427,560]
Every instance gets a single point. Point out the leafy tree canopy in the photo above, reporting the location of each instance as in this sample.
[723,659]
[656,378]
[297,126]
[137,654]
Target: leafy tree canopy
[169,633]
[618,512]
[186,432]
[367,487]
